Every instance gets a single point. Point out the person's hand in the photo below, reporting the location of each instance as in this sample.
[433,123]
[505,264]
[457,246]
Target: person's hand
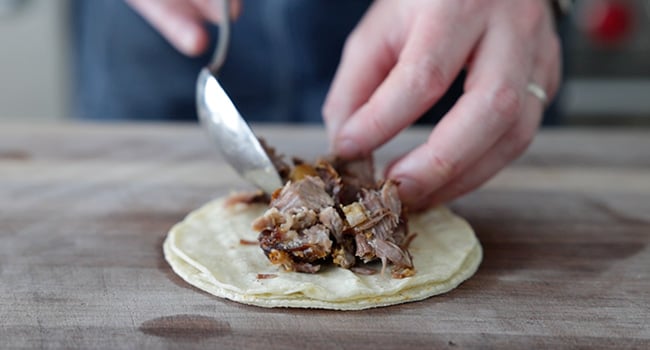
[404,55]
[182,22]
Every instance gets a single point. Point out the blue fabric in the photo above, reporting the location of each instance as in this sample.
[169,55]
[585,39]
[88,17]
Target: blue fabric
[282,57]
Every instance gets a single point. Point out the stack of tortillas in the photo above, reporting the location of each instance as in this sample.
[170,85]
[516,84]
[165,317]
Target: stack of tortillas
[206,250]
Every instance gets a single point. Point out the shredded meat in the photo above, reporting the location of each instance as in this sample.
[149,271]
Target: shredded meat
[247,198]
[335,212]
[306,193]
[277,159]
[247,242]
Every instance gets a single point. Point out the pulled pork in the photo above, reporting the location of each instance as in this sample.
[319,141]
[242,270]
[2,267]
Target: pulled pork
[334,211]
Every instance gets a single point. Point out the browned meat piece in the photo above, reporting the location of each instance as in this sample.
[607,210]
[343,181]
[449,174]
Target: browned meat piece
[299,218]
[269,220]
[335,211]
[317,239]
[376,226]
[389,251]
[247,198]
[343,255]
[247,242]
[306,193]
[290,230]
[383,218]
[292,247]
[330,177]
[390,196]
[364,250]
[300,171]
[331,219]
[355,176]
[361,172]
[278,161]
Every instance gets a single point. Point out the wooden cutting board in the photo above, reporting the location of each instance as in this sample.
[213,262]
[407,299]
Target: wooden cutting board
[84,210]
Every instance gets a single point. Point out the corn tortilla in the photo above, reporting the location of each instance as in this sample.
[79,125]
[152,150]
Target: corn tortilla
[205,250]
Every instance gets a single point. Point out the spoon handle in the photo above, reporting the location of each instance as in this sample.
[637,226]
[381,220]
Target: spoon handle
[224,38]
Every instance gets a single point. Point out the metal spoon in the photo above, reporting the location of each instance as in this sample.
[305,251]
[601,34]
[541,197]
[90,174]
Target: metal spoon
[225,125]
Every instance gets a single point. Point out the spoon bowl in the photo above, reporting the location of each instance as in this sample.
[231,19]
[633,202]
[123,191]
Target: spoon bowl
[232,135]
[225,125]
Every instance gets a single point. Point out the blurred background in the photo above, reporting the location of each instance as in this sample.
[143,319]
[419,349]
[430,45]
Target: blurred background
[607,62]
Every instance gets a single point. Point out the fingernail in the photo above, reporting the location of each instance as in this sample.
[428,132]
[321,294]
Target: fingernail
[189,42]
[331,129]
[332,125]
[347,148]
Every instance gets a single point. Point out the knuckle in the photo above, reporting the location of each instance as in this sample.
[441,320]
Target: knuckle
[534,15]
[441,167]
[377,126]
[506,101]
[424,78]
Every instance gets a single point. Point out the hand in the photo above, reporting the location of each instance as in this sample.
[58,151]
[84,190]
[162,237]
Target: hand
[182,22]
[404,55]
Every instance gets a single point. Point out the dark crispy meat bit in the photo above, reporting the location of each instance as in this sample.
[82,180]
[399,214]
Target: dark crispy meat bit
[278,161]
[335,211]
[355,176]
[361,172]
[247,198]
[330,177]
[247,242]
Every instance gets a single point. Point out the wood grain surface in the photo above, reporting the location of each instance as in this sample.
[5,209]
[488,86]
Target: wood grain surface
[84,209]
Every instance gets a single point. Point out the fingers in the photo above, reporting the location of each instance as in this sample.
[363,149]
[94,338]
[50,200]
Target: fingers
[431,59]
[509,147]
[546,73]
[494,100]
[182,22]
[514,142]
[367,58]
